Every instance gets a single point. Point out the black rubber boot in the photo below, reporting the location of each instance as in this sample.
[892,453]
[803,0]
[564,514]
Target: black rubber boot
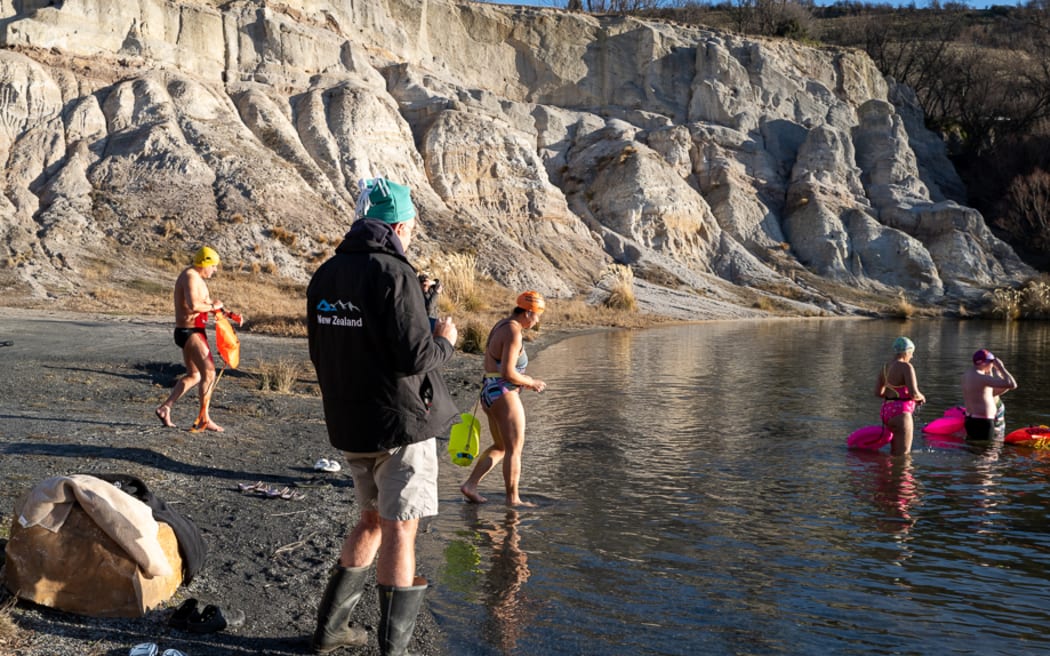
[398,608]
[345,588]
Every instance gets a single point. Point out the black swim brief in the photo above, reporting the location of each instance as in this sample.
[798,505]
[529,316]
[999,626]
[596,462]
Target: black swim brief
[979,429]
[182,335]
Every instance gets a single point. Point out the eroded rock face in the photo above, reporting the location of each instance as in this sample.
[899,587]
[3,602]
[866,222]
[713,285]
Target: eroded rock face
[548,144]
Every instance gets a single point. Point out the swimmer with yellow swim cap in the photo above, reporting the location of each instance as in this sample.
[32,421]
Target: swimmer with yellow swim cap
[205,257]
[193,303]
[505,362]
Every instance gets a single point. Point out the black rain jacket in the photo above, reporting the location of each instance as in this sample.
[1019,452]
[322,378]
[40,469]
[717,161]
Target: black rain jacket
[377,362]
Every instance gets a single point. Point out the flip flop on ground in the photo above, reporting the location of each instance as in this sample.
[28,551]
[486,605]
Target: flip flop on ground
[326,465]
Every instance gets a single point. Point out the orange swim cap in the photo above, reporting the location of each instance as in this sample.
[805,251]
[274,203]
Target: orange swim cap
[532,301]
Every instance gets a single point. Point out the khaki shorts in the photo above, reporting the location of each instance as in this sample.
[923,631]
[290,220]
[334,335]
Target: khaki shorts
[400,484]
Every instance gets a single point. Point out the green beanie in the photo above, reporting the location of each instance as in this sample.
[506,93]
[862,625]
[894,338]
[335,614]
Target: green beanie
[387,201]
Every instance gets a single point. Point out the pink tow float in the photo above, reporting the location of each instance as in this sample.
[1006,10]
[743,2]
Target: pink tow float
[870,438]
[952,422]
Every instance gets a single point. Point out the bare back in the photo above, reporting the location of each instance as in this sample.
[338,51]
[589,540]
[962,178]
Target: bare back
[979,393]
[898,374]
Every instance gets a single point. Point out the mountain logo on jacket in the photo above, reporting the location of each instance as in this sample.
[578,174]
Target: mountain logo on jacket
[324,306]
[328,311]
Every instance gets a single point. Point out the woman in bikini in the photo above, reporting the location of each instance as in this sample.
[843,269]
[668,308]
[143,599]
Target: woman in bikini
[899,389]
[505,362]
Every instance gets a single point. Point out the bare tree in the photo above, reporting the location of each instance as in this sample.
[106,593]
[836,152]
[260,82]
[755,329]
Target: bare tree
[788,18]
[1028,218]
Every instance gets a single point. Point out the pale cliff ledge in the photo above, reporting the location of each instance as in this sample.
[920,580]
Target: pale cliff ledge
[549,144]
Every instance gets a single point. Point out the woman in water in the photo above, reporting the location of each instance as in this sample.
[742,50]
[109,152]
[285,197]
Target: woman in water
[899,390]
[505,362]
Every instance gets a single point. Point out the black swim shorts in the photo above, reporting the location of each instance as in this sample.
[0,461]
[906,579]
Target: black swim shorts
[979,429]
[182,335]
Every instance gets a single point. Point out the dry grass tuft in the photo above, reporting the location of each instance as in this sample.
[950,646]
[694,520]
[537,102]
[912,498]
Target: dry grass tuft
[12,638]
[170,229]
[1032,301]
[458,274]
[619,280]
[902,308]
[1035,299]
[279,376]
[1006,303]
[286,237]
[472,338]
[764,303]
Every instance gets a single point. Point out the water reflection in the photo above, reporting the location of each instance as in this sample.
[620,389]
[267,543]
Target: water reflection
[506,599]
[890,484]
[698,498]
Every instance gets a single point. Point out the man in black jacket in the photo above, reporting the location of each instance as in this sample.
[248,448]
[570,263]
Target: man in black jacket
[378,365]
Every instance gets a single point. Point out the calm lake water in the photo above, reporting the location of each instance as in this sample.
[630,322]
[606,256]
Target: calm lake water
[696,497]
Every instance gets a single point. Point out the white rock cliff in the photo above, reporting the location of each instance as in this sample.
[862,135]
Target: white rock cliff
[547,143]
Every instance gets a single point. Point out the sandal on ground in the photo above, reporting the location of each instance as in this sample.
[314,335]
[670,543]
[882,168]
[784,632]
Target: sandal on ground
[251,487]
[143,649]
[327,466]
[184,614]
[213,619]
[292,496]
[172,652]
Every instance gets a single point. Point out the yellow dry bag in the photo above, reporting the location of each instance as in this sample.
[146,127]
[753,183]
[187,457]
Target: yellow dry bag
[463,440]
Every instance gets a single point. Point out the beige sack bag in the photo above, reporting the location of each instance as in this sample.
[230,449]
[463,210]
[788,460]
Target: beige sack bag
[80,569]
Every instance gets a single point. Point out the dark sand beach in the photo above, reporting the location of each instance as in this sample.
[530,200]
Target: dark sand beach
[78,395]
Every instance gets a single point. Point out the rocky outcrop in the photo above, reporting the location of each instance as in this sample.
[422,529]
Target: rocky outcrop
[546,143]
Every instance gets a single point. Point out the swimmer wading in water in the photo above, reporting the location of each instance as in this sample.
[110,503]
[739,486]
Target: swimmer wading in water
[505,362]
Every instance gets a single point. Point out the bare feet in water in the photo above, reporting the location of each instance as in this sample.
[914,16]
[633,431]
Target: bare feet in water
[472,494]
[521,504]
[164,414]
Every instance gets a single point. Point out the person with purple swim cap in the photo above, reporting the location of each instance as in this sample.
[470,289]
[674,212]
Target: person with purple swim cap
[981,386]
